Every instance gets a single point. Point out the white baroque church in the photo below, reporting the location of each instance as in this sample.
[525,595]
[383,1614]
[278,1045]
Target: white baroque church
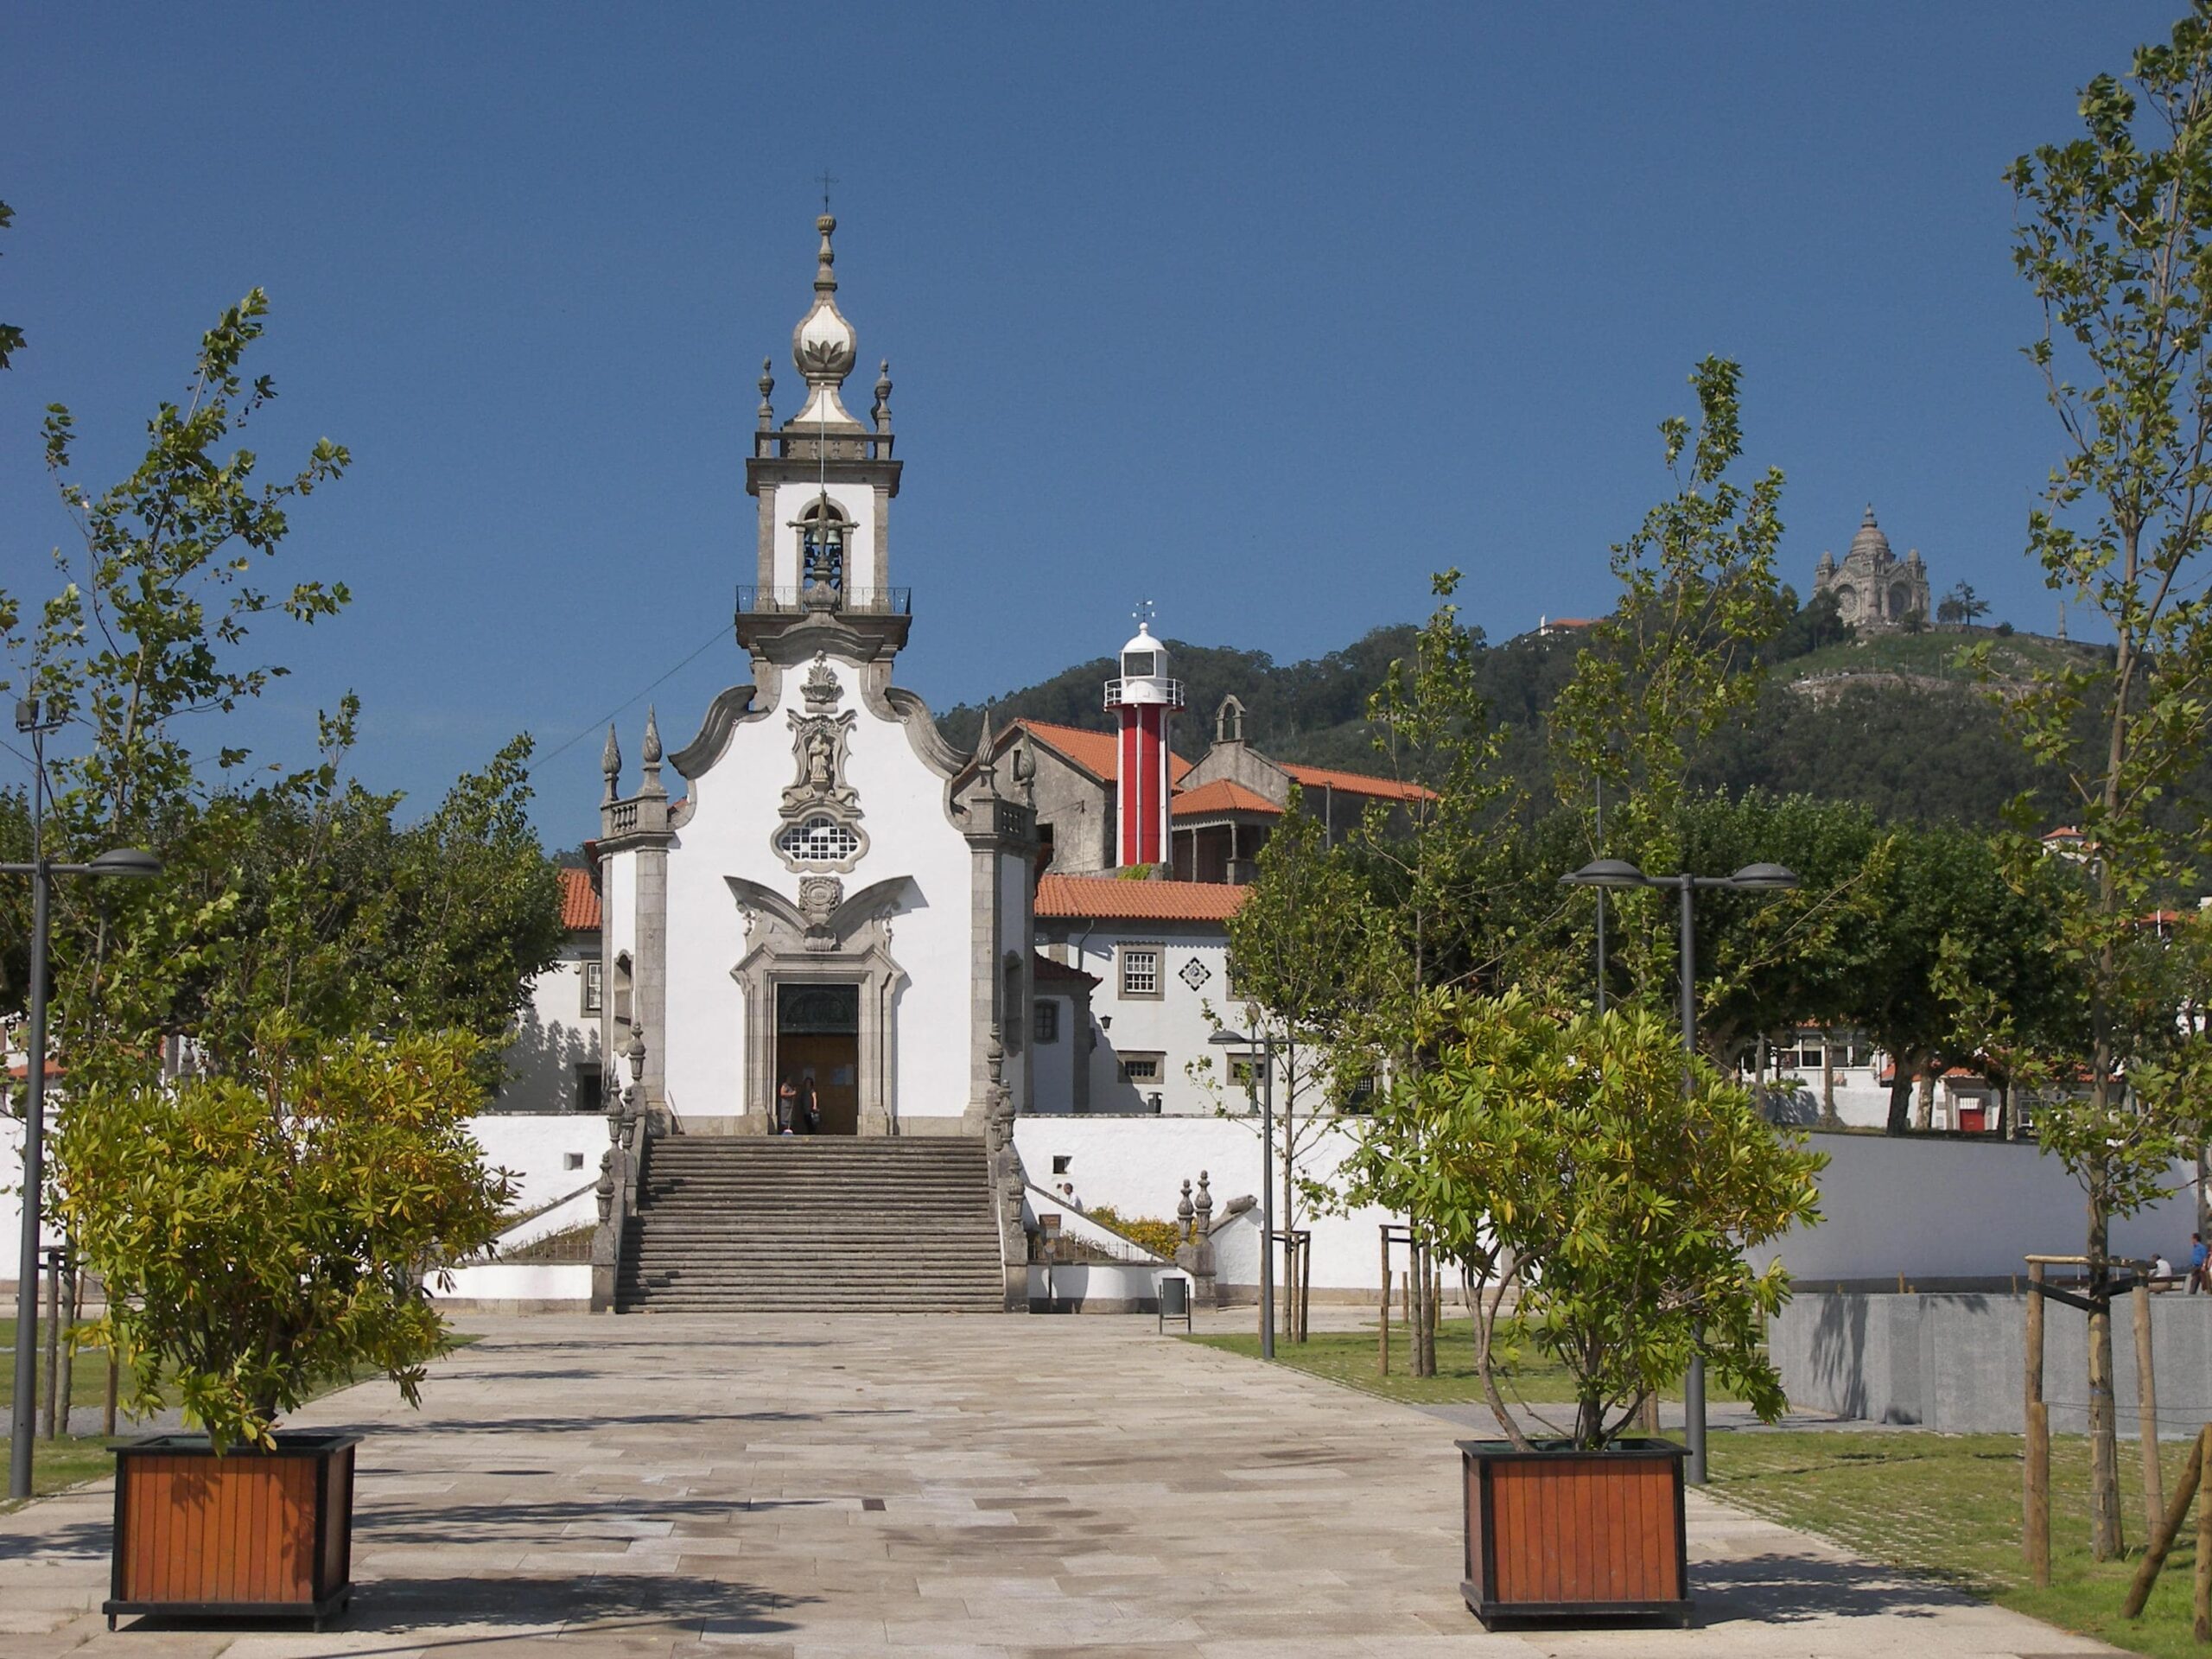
[837,897]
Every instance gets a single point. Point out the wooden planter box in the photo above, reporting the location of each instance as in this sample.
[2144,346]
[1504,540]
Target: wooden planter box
[250,1534]
[1556,1533]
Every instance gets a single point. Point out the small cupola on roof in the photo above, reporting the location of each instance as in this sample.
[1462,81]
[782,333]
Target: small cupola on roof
[825,345]
[1870,540]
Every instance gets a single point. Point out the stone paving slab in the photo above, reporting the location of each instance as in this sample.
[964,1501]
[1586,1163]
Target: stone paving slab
[813,1488]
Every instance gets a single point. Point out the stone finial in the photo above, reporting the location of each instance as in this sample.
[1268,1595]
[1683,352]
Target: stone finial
[1025,772]
[987,773]
[649,756]
[1184,1211]
[881,413]
[610,762]
[994,1056]
[826,276]
[1203,1204]
[767,390]
[635,1053]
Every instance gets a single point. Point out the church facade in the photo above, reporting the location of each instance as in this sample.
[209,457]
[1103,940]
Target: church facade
[1875,591]
[838,897]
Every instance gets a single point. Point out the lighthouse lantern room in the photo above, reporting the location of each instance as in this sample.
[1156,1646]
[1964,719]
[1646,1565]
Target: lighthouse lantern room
[1147,699]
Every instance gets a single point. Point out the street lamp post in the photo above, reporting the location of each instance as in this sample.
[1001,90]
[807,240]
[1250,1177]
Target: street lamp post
[1266,1044]
[30,720]
[1752,878]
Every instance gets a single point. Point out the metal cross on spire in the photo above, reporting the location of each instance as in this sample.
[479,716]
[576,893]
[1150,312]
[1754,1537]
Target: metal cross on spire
[825,181]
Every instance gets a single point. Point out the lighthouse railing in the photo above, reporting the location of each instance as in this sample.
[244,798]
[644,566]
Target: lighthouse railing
[1169,692]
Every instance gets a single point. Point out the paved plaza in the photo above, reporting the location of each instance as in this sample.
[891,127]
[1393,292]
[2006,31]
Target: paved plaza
[935,1486]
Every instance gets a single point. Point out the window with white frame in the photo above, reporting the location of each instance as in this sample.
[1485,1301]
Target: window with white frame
[1142,1068]
[595,987]
[1140,970]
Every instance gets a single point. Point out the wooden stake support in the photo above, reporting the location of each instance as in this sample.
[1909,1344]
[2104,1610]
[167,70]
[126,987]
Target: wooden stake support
[2162,1541]
[2034,1497]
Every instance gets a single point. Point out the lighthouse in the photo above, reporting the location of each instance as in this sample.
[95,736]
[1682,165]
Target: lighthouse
[1146,699]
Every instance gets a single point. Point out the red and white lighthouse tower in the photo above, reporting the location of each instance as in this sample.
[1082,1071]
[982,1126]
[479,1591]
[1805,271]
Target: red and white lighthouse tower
[1147,699]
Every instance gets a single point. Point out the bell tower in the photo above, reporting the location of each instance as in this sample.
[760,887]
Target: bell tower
[1147,699]
[824,482]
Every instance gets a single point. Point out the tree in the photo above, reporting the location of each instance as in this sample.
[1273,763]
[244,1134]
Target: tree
[259,1237]
[1600,1211]
[1679,655]
[11,338]
[2111,237]
[1292,944]
[148,630]
[1960,606]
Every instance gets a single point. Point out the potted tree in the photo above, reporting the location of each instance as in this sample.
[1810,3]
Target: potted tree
[1601,1212]
[259,1233]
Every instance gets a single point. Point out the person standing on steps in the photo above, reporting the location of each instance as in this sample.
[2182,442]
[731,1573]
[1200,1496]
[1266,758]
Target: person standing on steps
[787,1105]
[2197,1256]
[809,1105]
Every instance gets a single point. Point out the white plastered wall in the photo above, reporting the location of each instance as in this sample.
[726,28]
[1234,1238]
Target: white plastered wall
[734,815]
[554,1035]
[1173,1026]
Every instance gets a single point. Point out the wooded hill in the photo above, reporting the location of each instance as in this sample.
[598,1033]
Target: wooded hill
[1894,722]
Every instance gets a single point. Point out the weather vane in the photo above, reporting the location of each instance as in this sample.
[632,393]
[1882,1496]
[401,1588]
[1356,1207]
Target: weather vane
[1143,613]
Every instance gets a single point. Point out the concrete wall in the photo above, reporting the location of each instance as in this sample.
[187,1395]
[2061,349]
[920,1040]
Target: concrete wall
[551,1153]
[516,1287]
[1934,1209]
[1956,1363]
[1138,1166]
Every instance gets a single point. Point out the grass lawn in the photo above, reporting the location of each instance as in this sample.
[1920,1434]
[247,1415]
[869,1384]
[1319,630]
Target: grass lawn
[1348,1357]
[1948,1506]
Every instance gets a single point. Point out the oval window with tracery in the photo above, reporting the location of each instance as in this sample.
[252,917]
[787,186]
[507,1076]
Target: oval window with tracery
[819,839]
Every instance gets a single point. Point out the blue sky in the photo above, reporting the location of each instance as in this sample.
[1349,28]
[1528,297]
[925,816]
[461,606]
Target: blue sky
[1260,312]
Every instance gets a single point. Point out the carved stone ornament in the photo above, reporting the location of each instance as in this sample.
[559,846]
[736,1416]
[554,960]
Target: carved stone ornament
[820,827]
[821,689]
[819,898]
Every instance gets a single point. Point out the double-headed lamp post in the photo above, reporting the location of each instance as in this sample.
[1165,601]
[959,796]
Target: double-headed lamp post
[1265,1043]
[1752,878]
[123,860]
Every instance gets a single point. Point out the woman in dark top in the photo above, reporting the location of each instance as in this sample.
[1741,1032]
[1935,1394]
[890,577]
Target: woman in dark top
[809,1108]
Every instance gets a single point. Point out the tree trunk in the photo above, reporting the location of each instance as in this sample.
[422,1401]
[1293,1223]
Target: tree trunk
[1900,1099]
[1924,1110]
[2105,1539]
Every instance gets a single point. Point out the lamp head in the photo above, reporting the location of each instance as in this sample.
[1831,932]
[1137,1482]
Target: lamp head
[1606,873]
[1228,1038]
[125,861]
[1763,878]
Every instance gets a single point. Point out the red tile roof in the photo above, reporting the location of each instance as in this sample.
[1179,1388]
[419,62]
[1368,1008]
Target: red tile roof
[1098,753]
[1108,898]
[579,901]
[1058,973]
[1222,795]
[1355,782]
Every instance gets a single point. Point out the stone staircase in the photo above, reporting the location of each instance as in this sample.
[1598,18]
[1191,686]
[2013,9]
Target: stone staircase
[802,1223]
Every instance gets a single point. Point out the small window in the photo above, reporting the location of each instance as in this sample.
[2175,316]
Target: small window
[1244,1071]
[1048,1020]
[1139,664]
[572,1161]
[590,1093]
[1141,1068]
[819,839]
[1139,970]
[1060,1162]
[595,987]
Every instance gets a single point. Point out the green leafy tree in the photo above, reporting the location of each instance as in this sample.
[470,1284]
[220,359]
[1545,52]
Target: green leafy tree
[151,627]
[11,338]
[1679,655]
[258,1237]
[1962,606]
[2111,237]
[1295,945]
[1600,1213]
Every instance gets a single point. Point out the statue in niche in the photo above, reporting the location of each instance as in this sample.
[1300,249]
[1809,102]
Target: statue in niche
[818,747]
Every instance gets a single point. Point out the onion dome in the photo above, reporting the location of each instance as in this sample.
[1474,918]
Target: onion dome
[1870,541]
[824,346]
